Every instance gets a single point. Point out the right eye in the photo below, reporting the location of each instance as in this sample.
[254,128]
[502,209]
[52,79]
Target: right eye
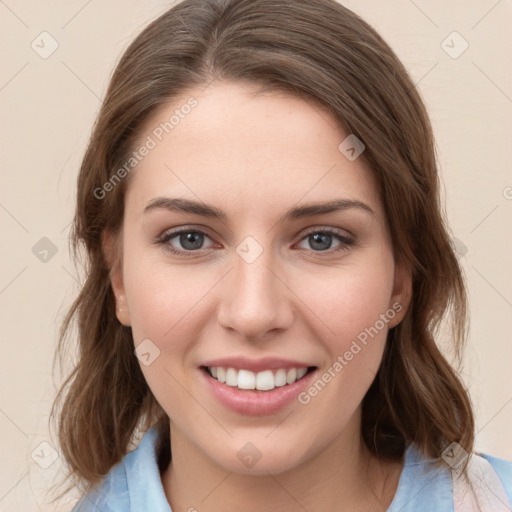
[190,240]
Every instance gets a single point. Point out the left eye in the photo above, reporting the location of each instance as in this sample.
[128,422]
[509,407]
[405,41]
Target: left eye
[322,240]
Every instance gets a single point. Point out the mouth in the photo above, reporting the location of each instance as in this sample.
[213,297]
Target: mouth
[262,381]
[256,387]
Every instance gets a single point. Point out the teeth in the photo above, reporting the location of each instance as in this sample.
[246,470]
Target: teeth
[265,380]
[246,380]
[301,372]
[291,376]
[280,377]
[231,377]
[262,381]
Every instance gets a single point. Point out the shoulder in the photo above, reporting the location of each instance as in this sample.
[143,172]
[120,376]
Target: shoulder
[503,469]
[428,484]
[111,495]
[424,485]
[130,484]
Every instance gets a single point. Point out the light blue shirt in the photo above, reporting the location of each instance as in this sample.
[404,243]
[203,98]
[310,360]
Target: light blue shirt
[134,485]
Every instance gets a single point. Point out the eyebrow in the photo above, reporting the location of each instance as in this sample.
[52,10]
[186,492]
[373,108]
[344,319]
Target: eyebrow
[298,212]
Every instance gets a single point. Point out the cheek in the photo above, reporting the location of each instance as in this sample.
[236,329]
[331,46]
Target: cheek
[353,311]
[350,301]
[162,298]
[354,354]
[165,305]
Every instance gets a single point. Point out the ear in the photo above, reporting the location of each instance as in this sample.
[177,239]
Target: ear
[402,293]
[111,245]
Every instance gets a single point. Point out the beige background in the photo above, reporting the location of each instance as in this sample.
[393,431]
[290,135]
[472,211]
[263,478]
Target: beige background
[47,110]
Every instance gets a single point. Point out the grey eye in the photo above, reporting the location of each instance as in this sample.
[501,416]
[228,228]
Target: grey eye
[191,240]
[320,241]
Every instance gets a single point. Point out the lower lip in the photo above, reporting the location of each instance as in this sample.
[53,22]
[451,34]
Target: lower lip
[253,402]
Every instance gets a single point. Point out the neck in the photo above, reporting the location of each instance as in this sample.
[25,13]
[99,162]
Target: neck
[343,476]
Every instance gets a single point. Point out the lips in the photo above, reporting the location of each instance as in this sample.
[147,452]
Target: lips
[256,387]
[256,365]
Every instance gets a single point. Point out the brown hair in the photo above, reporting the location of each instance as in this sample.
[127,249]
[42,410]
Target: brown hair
[323,52]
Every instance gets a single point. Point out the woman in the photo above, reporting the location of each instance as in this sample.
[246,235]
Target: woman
[268,265]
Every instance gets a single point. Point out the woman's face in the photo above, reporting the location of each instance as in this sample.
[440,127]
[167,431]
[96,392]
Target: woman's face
[284,265]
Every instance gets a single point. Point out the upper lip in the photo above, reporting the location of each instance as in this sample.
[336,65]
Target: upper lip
[256,365]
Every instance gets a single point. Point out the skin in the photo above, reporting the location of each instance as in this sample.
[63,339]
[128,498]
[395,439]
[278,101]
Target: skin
[255,157]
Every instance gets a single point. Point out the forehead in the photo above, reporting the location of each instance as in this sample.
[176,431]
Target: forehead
[227,145]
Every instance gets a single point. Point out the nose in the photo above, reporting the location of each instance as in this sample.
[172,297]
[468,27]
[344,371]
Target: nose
[255,300]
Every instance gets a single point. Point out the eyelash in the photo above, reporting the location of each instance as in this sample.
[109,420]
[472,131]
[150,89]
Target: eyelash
[345,242]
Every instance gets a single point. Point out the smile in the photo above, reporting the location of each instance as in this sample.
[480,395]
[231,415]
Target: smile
[252,386]
[265,380]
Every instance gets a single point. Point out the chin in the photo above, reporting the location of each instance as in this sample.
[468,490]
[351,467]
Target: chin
[260,457]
